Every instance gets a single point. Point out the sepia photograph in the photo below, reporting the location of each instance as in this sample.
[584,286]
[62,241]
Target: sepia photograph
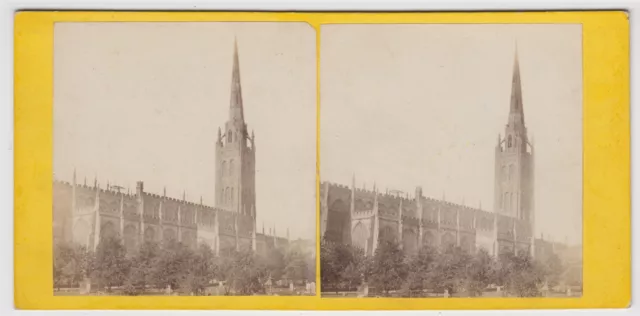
[451,160]
[184,159]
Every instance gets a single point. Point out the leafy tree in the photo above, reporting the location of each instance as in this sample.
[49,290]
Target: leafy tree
[553,269]
[110,266]
[335,259]
[70,264]
[351,276]
[388,270]
[275,263]
[295,265]
[243,273]
[450,270]
[329,275]
[143,264]
[521,275]
[420,266]
[480,273]
[202,271]
[172,264]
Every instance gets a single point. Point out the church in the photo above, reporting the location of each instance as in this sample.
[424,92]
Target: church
[84,214]
[363,217]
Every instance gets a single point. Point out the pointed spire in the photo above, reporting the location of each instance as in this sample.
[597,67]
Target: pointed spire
[219,135]
[201,200]
[164,191]
[108,186]
[184,195]
[236,110]
[516,111]
[85,181]
[95,181]
[262,227]
[74,176]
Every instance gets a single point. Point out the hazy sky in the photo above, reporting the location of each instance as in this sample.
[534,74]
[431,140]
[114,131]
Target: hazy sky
[422,105]
[143,102]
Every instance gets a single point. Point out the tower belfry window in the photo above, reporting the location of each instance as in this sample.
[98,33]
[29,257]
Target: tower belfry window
[230,136]
[509,141]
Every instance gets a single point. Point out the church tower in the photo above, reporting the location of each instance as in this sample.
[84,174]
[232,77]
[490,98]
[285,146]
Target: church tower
[514,165]
[235,154]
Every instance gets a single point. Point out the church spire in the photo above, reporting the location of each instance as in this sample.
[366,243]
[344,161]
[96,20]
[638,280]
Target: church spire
[235,111]
[516,111]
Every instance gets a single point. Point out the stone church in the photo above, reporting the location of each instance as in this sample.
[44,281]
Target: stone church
[86,213]
[365,217]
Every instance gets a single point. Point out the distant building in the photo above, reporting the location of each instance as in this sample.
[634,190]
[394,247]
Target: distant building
[86,213]
[365,217]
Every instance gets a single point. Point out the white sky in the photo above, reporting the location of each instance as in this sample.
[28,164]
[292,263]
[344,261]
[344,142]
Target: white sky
[409,105]
[143,102]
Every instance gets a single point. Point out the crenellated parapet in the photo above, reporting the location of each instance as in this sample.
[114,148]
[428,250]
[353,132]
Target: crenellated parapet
[418,220]
[206,216]
[364,200]
[484,220]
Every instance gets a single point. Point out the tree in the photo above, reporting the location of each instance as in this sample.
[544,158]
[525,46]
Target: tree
[275,263]
[143,264]
[480,273]
[295,265]
[420,266]
[450,270]
[329,275]
[335,259]
[388,270]
[70,264]
[202,270]
[553,269]
[521,276]
[352,276]
[110,266]
[243,273]
[172,264]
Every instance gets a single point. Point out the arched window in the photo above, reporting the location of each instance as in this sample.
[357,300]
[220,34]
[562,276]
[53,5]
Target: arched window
[230,136]
[509,141]
[360,236]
